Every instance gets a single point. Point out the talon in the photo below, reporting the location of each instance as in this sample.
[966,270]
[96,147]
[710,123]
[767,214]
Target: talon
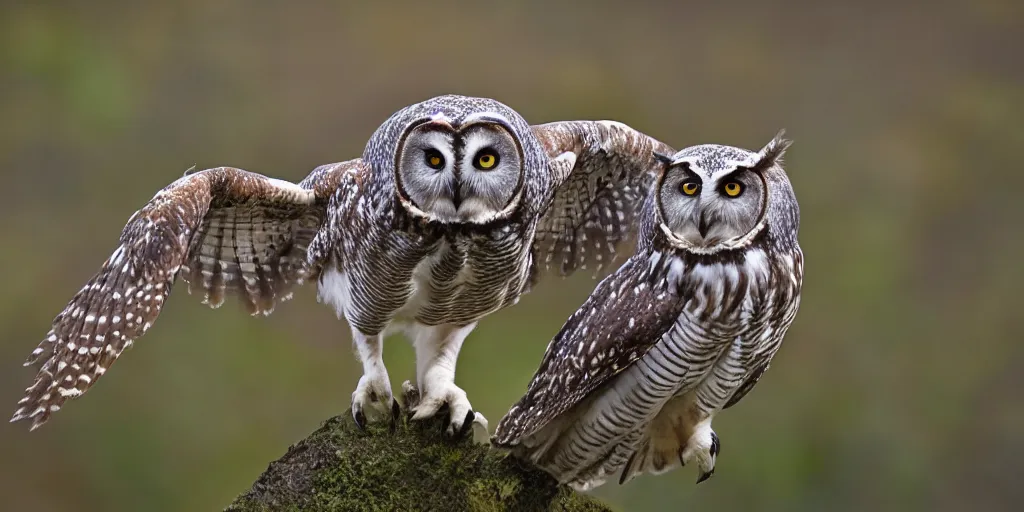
[396,411]
[445,401]
[682,462]
[467,424]
[359,418]
[705,476]
[447,426]
[371,396]
[481,433]
[716,446]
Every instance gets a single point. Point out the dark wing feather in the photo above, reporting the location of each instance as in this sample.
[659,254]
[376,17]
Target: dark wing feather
[595,205]
[224,230]
[620,321]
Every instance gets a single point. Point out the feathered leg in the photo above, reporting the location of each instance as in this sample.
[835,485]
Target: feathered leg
[437,350]
[374,388]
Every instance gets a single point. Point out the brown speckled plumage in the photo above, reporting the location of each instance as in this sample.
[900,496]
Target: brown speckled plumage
[679,332]
[224,230]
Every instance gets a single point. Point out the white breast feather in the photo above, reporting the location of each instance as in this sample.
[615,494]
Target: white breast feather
[334,290]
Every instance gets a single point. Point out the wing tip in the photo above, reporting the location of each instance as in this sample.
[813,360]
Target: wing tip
[504,439]
[509,432]
[503,444]
[39,416]
[38,422]
[501,434]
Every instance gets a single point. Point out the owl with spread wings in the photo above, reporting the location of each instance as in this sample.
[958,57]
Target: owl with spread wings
[455,209]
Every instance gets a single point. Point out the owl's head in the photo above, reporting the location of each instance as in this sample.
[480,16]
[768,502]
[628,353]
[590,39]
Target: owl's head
[712,197]
[460,160]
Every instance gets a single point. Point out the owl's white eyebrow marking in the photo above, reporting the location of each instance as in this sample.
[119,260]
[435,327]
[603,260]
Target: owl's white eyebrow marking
[730,167]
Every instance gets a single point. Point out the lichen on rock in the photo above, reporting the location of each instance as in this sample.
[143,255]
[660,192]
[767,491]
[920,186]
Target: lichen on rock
[415,467]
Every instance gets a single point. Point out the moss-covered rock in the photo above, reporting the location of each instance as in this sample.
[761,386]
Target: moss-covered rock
[339,467]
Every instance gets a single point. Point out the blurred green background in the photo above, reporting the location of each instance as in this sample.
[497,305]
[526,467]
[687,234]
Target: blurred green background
[898,387]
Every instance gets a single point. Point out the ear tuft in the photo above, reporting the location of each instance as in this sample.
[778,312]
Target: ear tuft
[773,152]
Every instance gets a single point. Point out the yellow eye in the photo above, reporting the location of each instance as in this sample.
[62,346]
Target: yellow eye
[690,188]
[486,159]
[733,189]
[434,159]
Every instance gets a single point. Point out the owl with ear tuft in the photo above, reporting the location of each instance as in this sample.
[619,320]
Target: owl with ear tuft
[451,214]
[684,329]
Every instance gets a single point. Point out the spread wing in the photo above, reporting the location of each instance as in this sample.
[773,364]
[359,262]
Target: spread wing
[224,230]
[620,321]
[595,203]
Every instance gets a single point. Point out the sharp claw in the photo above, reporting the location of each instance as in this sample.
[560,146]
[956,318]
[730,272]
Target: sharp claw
[360,419]
[396,411]
[479,419]
[705,476]
[446,426]
[467,425]
[716,446]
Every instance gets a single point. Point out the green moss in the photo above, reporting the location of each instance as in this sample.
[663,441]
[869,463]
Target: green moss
[339,467]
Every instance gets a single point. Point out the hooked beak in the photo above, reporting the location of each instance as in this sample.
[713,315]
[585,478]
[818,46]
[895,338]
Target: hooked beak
[457,192]
[703,226]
